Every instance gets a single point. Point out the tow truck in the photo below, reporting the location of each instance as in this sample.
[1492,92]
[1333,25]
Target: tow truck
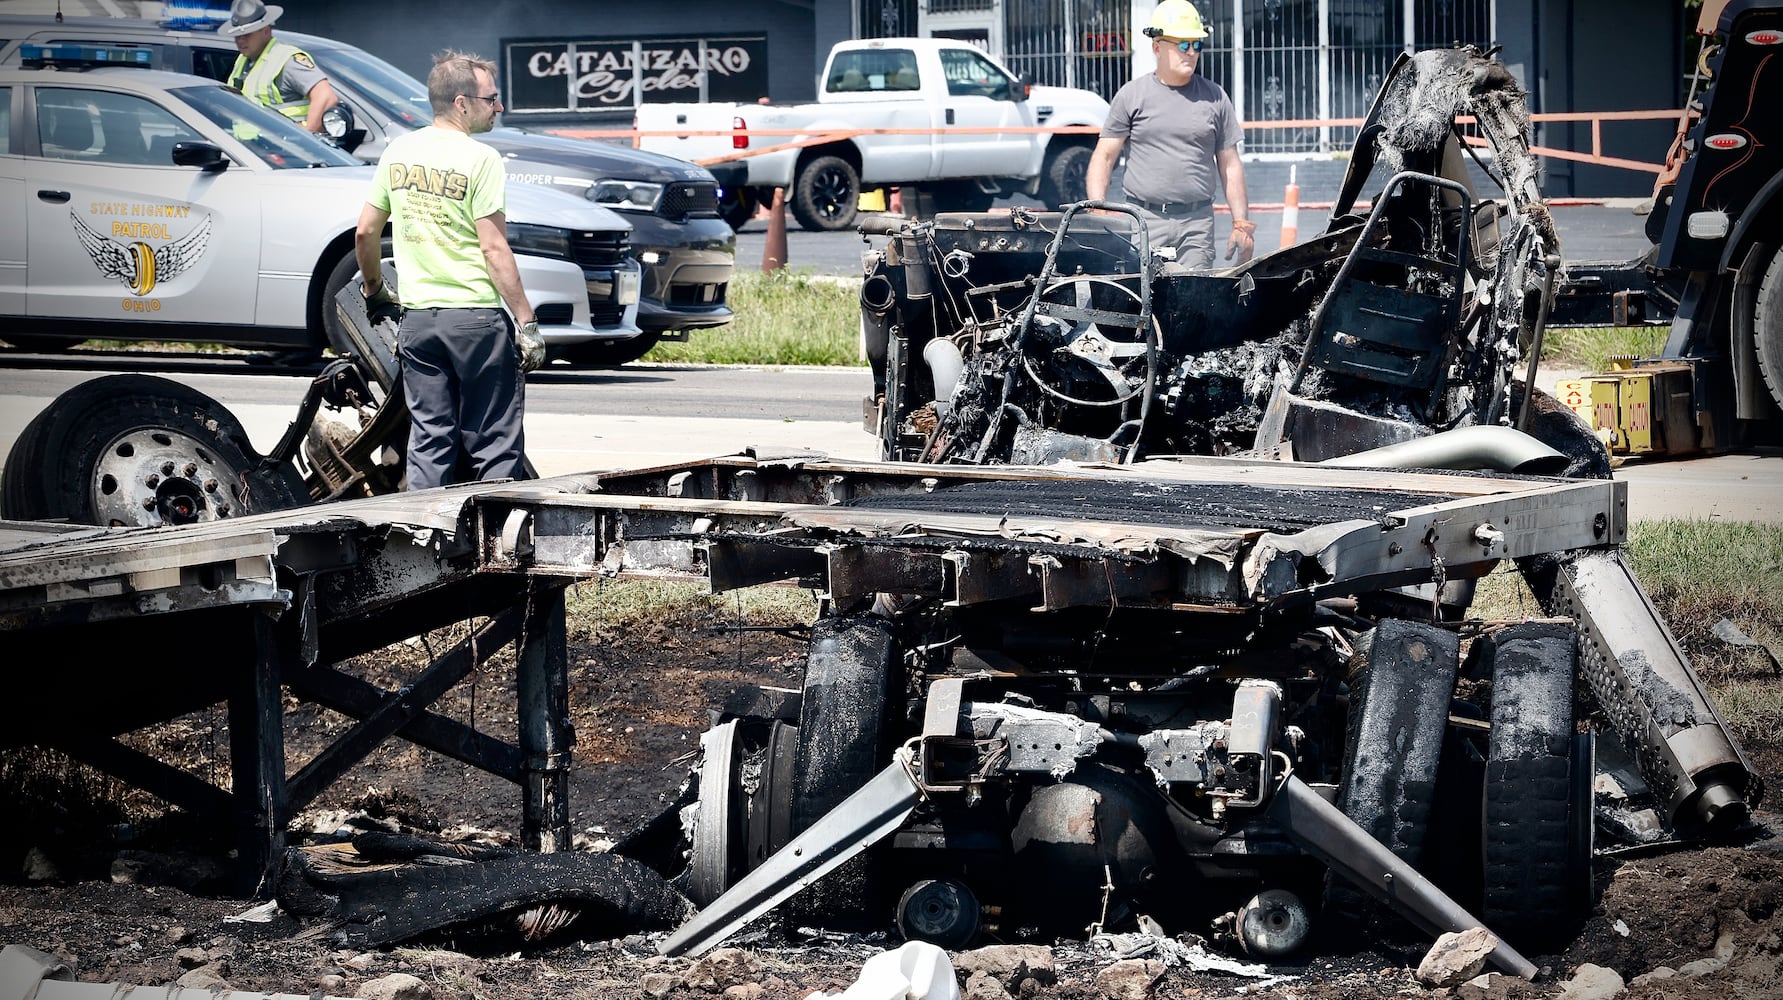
[1715,270]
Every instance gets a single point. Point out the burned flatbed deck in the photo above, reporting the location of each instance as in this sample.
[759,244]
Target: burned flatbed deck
[270,601]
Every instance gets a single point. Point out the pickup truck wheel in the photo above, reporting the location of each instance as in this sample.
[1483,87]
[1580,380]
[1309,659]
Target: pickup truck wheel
[1062,178]
[826,194]
[136,450]
[1767,327]
[737,206]
[611,353]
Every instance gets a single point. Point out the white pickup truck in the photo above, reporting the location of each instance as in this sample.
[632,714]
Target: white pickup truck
[914,86]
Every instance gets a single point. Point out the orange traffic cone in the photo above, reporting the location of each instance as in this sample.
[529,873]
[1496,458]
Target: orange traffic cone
[1291,210]
[773,252]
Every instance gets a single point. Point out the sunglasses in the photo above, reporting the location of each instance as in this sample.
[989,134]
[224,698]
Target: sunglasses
[1189,46]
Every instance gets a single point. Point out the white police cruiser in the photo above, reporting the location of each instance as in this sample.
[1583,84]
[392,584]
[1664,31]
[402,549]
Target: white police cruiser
[145,205]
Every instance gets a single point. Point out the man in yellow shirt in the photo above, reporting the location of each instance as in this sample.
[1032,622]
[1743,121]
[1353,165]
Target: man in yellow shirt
[445,194]
[280,76]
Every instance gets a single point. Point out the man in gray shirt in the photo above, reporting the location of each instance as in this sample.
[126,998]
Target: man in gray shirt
[1180,131]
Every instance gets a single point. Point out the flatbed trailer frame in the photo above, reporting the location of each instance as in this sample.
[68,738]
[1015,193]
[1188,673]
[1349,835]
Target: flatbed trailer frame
[269,603]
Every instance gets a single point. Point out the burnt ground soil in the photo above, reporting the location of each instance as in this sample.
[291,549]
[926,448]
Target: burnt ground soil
[125,892]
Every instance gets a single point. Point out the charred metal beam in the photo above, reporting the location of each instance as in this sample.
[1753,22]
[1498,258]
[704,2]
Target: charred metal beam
[1653,696]
[257,754]
[545,731]
[399,708]
[353,697]
[859,570]
[1323,831]
[140,770]
[977,577]
[1072,583]
[737,561]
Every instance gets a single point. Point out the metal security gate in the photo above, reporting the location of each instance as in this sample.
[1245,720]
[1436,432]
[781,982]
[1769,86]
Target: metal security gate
[1070,43]
[1322,59]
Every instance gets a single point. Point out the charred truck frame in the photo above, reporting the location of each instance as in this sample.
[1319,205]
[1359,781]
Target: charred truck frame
[1174,676]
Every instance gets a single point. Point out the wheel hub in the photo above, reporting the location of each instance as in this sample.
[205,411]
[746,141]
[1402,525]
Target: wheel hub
[149,477]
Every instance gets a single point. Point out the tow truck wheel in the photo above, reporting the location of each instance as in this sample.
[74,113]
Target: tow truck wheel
[826,194]
[611,353]
[136,450]
[843,742]
[1767,327]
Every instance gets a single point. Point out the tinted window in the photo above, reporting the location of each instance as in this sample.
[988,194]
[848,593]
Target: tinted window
[271,136]
[972,75]
[400,96]
[214,63]
[873,70]
[98,126]
[5,117]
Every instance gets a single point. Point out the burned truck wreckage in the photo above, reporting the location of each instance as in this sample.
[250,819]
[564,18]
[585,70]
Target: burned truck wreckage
[1023,338]
[1159,608]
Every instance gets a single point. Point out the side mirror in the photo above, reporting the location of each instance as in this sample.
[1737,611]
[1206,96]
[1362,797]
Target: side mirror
[1024,87]
[337,127]
[204,155]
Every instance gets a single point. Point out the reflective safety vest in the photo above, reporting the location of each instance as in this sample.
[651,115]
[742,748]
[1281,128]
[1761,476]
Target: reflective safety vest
[261,81]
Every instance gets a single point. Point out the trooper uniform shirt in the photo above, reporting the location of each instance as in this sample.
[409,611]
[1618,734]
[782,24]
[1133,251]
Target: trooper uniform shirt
[280,79]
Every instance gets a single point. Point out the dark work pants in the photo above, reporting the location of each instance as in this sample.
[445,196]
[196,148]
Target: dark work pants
[466,395]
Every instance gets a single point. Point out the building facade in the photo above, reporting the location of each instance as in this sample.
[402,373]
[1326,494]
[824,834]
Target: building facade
[591,62]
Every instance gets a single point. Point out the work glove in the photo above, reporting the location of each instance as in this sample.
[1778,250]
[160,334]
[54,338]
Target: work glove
[1243,242]
[532,346]
[382,304]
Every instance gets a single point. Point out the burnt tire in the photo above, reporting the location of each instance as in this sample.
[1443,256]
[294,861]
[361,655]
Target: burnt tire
[1558,427]
[99,452]
[844,740]
[611,353]
[1063,178]
[1767,327]
[826,194]
[1538,792]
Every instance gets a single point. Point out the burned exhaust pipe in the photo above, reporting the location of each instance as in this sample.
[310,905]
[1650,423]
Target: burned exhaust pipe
[1501,449]
[877,296]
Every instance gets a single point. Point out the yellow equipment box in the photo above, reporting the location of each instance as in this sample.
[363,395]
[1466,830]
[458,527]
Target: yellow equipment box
[1638,408]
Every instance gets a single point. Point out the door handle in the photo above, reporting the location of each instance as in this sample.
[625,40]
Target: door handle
[950,116]
[54,197]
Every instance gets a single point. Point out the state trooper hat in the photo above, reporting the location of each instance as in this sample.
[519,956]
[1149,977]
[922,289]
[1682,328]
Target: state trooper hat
[250,15]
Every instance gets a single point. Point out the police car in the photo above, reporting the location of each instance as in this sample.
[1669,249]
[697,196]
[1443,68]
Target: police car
[687,252]
[160,206]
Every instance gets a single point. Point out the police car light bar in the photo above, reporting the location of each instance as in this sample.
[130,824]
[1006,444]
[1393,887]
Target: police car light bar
[193,15]
[82,56]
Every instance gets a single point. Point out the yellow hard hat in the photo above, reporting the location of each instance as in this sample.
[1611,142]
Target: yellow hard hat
[1176,19]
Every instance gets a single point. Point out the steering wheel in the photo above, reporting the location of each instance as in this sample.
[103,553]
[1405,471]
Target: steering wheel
[1069,333]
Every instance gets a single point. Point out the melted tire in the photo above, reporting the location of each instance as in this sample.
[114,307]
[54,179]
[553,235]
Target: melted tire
[57,467]
[1538,873]
[843,741]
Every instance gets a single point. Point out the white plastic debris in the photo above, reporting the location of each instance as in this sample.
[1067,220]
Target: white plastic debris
[257,915]
[1178,954]
[917,971]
